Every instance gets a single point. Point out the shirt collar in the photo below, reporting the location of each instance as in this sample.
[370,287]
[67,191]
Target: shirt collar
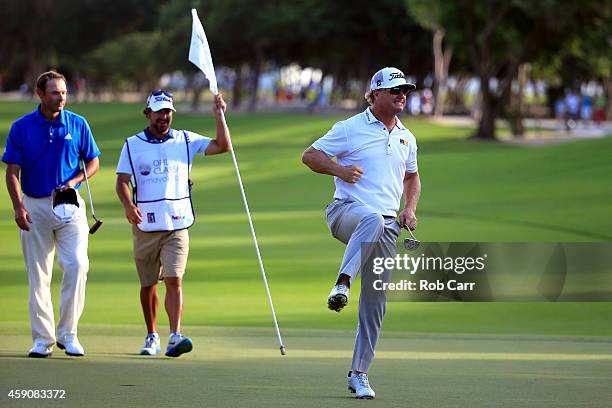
[399,124]
[370,118]
[152,139]
[42,120]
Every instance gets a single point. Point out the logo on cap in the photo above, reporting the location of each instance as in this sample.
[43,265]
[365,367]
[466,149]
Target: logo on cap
[396,75]
[162,98]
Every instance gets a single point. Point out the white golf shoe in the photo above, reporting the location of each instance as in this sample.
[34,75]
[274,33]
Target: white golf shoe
[178,344]
[40,350]
[360,386]
[338,297]
[71,346]
[152,345]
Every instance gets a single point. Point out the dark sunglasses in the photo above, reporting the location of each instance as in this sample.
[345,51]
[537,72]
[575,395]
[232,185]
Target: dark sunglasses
[396,91]
[159,92]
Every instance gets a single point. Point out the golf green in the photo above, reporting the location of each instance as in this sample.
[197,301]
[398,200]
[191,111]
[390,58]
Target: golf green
[234,367]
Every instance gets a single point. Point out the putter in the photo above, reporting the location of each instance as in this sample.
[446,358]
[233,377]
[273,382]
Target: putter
[98,223]
[412,242]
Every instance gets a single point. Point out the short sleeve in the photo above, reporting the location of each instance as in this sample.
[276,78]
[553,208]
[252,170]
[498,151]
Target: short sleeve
[89,149]
[334,143]
[197,143]
[13,152]
[124,165]
[411,163]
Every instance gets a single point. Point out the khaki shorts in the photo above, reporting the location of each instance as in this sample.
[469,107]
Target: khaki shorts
[160,254]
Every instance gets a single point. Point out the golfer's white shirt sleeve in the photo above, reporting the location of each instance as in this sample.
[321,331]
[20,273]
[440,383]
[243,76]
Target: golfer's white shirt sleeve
[411,163]
[335,142]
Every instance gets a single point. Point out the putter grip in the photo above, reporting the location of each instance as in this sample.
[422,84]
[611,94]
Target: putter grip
[95,227]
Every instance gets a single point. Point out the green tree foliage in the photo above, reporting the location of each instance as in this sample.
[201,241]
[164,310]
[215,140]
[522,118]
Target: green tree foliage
[353,39]
[127,59]
[427,14]
[349,39]
[40,34]
[497,36]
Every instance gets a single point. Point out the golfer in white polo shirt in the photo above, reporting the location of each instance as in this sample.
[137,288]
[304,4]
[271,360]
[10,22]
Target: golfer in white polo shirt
[376,162]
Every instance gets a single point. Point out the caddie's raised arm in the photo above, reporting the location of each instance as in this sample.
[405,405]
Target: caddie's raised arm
[221,142]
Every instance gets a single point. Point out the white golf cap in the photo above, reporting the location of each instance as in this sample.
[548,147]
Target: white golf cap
[390,77]
[159,100]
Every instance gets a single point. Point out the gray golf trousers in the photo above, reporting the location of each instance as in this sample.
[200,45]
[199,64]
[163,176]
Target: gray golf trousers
[353,223]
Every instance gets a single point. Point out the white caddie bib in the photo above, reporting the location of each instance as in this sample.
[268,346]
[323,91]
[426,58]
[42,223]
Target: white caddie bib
[161,187]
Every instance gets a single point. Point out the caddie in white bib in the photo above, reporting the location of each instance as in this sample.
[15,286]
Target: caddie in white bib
[161,186]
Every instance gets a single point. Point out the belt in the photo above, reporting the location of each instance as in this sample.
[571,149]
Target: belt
[386,217]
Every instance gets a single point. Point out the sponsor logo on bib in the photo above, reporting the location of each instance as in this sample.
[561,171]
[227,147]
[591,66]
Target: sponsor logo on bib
[144,169]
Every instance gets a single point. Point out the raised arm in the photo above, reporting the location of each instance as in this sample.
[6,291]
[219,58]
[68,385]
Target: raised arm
[221,142]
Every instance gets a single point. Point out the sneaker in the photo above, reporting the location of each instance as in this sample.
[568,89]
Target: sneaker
[71,346]
[178,345]
[40,350]
[152,345]
[360,386]
[338,297]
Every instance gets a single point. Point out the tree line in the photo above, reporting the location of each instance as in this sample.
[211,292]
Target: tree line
[118,45]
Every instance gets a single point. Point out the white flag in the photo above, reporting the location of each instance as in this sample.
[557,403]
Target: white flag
[199,53]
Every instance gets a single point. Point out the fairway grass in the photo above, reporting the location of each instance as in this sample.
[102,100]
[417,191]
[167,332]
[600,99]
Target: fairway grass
[472,192]
[236,367]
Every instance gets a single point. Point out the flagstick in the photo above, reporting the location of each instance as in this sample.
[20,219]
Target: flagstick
[199,55]
[248,211]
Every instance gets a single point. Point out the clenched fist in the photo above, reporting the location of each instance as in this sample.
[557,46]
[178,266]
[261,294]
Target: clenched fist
[351,174]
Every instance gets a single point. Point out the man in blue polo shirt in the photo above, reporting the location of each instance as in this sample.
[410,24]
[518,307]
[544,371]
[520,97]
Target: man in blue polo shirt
[376,163]
[43,151]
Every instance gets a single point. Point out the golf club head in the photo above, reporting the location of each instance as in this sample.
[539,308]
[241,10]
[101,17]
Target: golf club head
[95,227]
[411,243]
